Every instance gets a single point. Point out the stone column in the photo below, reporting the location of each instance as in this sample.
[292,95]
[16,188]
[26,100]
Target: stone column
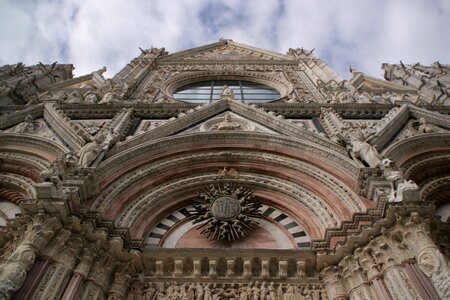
[429,259]
[398,283]
[380,288]
[98,280]
[119,286]
[230,267]
[354,278]
[420,281]
[65,260]
[40,230]
[80,273]
[33,278]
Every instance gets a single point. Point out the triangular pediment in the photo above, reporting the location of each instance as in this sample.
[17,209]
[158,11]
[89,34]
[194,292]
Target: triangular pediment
[226,50]
[211,117]
[407,121]
[363,82]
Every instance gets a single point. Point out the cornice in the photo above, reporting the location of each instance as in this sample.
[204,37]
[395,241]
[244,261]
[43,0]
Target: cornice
[227,62]
[288,110]
[18,116]
[75,136]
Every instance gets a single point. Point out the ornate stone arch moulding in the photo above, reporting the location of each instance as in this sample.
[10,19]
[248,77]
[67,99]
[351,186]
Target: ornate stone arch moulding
[245,140]
[47,150]
[433,185]
[301,202]
[255,162]
[417,145]
[283,86]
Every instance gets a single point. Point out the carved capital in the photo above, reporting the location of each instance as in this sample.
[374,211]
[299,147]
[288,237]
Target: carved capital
[333,281]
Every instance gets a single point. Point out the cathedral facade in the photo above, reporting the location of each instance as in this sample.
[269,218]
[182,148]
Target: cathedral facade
[224,172]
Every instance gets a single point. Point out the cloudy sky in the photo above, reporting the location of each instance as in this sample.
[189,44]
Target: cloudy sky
[93,34]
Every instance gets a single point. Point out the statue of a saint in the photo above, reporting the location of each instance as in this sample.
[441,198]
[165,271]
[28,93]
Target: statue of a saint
[360,148]
[28,126]
[90,151]
[425,127]
[227,90]
[227,93]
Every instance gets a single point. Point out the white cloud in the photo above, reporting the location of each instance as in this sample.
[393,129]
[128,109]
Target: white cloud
[92,34]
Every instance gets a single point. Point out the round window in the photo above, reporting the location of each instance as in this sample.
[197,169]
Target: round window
[208,91]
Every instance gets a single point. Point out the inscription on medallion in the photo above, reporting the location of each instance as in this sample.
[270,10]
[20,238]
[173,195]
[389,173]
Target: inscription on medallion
[226,208]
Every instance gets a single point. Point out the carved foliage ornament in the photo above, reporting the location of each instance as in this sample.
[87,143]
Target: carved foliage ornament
[227,210]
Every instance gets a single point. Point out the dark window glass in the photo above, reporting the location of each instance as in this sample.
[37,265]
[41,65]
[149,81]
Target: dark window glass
[207,91]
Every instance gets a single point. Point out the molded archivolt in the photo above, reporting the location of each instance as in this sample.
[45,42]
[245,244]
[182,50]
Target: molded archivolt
[426,161]
[283,86]
[146,183]
[22,159]
[38,147]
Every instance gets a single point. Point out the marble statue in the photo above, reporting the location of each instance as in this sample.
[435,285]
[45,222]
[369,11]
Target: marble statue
[426,127]
[227,124]
[28,126]
[90,151]
[359,146]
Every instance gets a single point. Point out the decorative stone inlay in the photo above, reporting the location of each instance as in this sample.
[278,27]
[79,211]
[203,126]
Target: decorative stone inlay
[226,209]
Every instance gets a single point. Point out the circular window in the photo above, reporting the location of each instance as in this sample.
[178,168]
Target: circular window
[208,91]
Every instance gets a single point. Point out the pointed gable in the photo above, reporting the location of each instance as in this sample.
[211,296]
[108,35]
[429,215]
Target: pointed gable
[226,50]
[213,114]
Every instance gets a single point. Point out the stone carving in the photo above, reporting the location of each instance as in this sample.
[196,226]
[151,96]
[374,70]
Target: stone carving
[53,174]
[400,187]
[335,92]
[227,124]
[75,97]
[109,98]
[90,151]
[24,83]
[357,142]
[426,127]
[227,93]
[403,188]
[39,231]
[59,168]
[28,126]
[92,127]
[227,211]
[90,98]
[430,81]
[216,291]
[231,172]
